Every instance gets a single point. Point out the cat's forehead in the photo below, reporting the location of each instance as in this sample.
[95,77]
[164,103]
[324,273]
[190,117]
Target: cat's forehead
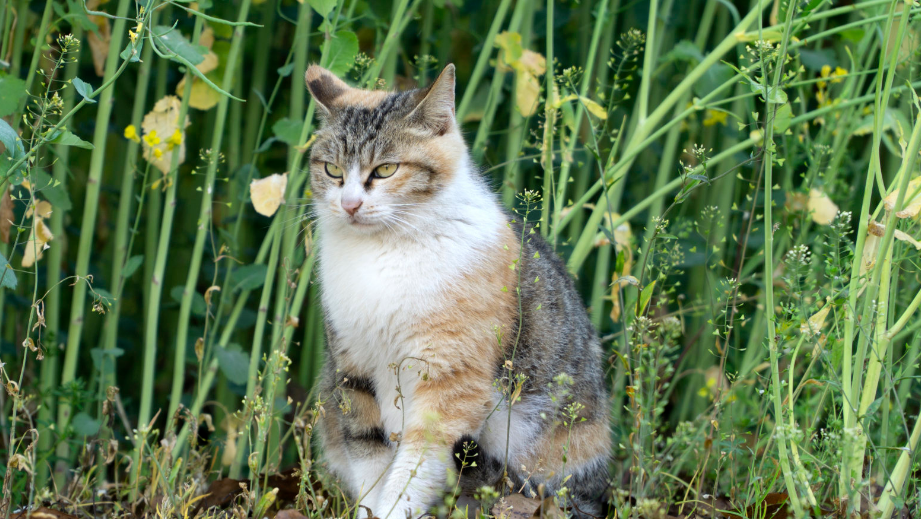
[359,128]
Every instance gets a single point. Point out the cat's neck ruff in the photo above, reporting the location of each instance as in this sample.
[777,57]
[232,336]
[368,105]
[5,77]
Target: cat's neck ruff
[460,225]
[412,267]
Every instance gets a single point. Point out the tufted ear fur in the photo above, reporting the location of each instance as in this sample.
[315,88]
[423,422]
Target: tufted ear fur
[435,111]
[325,88]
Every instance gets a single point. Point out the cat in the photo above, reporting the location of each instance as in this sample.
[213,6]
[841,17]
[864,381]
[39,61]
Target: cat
[418,269]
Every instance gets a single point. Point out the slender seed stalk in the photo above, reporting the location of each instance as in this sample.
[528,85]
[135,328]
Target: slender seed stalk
[51,365]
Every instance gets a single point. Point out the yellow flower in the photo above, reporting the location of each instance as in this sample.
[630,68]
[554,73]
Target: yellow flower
[151,138]
[174,140]
[131,133]
[836,77]
[715,117]
[157,152]
[826,71]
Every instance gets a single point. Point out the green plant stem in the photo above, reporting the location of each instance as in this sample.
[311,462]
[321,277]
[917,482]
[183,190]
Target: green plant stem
[495,89]
[123,219]
[483,59]
[852,458]
[517,125]
[156,284]
[549,124]
[403,14]
[205,213]
[51,365]
[893,488]
[768,161]
[643,129]
[43,27]
[90,207]
[587,77]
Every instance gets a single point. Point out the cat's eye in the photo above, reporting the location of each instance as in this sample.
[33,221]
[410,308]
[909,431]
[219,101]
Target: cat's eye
[333,170]
[385,170]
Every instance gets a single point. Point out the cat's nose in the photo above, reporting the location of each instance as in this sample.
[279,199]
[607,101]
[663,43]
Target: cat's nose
[351,205]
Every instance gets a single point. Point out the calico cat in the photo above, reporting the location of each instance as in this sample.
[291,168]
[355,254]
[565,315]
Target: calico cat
[418,267]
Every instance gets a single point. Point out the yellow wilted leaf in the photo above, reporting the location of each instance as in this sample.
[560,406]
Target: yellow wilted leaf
[99,44]
[528,66]
[203,97]
[899,235]
[622,237]
[871,246]
[268,193]
[813,326]
[162,123]
[911,205]
[596,109]
[822,209]
[38,242]
[42,208]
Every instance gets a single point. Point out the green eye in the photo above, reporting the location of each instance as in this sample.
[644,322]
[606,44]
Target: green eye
[385,170]
[333,170]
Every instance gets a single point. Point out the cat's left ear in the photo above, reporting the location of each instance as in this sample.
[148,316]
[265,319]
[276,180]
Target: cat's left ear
[325,87]
[435,111]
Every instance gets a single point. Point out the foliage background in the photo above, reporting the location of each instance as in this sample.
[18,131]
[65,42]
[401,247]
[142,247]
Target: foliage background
[667,99]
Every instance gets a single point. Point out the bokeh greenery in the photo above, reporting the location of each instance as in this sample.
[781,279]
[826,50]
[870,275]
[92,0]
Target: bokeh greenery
[158,331]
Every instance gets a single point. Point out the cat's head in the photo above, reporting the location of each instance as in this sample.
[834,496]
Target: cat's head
[381,158]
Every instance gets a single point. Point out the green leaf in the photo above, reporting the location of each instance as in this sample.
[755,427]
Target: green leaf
[85,425]
[342,51]
[248,277]
[712,79]
[233,363]
[324,7]
[7,275]
[782,118]
[67,138]
[645,296]
[132,265]
[11,91]
[685,50]
[179,45]
[287,131]
[78,13]
[199,306]
[100,354]
[770,94]
[83,88]
[286,70]
[14,151]
[52,190]
[129,52]
[104,296]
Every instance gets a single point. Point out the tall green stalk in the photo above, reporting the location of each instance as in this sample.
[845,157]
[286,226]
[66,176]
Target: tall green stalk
[156,284]
[204,216]
[123,219]
[88,222]
[52,362]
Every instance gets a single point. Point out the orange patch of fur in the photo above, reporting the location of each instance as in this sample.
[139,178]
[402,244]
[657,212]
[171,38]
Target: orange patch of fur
[464,351]
[587,441]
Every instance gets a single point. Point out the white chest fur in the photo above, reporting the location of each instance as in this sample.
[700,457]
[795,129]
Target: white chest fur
[377,288]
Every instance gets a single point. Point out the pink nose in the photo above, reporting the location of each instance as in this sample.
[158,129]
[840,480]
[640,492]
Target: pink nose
[351,205]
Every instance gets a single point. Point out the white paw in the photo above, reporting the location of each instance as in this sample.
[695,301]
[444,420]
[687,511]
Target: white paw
[395,506]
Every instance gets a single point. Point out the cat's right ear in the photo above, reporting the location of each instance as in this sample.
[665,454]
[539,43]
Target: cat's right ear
[325,87]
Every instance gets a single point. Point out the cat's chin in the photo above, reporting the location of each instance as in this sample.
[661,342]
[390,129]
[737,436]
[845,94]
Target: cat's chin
[361,225]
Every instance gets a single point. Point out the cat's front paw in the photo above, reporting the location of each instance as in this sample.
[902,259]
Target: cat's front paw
[397,506]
